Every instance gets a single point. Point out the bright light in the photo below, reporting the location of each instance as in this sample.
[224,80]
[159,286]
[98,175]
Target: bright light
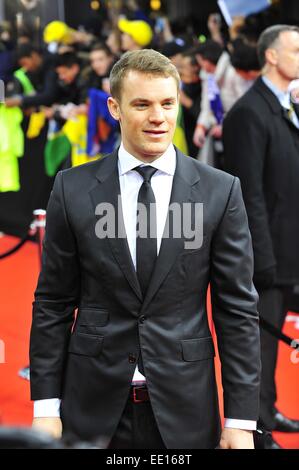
[95,5]
[156,5]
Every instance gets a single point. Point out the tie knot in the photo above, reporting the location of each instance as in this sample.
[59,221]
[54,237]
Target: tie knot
[146,172]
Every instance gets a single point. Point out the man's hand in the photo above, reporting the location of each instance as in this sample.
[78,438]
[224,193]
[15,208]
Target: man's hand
[52,426]
[236,439]
[237,25]
[13,101]
[199,136]
[216,132]
[49,112]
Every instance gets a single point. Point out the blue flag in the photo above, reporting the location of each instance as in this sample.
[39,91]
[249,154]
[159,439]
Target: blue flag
[231,8]
[103,129]
[215,99]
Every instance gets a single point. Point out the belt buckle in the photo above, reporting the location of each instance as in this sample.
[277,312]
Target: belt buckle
[135,399]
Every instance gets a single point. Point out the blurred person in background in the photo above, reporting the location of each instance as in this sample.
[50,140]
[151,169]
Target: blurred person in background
[68,68]
[190,96]
[38,69]
[25,36]
[101,62]
[223,85]
[214,26]
[136,34]
[261,141]
[174,50]
[217,76]
[72,87]
[6,52]
[95,76]
[113,41]
[58,33]
[244,59]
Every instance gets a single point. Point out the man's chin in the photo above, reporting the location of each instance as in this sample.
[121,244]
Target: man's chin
[156,148]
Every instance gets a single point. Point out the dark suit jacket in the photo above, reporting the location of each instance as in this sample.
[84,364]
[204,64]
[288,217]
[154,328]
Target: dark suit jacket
[92,368]
[262,148]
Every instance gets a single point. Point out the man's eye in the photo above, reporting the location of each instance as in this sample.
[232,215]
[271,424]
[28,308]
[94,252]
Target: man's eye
[141,105]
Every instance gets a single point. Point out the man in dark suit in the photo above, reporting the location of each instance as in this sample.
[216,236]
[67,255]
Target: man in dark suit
[137,367]
[261,139]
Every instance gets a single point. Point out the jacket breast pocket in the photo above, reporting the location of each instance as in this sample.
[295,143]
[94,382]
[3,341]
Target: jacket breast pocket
[86,344]
[197,349]
[92,320]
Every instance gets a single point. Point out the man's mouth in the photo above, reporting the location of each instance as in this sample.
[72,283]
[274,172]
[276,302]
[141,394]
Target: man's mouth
[155,132]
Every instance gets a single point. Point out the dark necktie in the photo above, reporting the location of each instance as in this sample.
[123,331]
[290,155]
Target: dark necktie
[146,246]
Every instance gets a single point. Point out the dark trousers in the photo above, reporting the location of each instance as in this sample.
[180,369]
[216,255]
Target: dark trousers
[137,428]
[273,307]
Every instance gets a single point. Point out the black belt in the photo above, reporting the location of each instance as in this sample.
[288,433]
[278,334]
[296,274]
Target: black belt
[139,394]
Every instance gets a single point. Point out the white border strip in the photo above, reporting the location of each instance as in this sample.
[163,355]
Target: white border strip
[223,7]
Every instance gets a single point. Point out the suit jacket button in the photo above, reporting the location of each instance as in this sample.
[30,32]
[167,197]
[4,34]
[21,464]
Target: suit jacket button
[142,319]
[132,358]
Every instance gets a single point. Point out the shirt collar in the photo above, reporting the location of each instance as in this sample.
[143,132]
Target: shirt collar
[282,96]
[166,163]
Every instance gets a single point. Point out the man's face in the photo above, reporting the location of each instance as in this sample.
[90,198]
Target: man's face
[100,62]
[205,64]
[147,113]
[177,60]
[31,63]
[286,58]
[189,72]
[67,74]
[128,43]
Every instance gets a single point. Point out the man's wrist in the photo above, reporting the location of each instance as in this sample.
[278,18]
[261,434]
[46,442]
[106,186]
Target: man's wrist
[243,424]
[49,408]
[201,126]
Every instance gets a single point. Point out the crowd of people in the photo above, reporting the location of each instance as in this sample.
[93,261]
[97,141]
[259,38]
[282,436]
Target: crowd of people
[52,85]
[237,114]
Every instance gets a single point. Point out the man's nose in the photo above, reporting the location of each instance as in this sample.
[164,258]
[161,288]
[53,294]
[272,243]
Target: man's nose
[157,115]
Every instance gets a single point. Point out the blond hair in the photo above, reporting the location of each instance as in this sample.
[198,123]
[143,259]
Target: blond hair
[146,61]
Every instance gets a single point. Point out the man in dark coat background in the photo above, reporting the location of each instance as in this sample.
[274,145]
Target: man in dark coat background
[261,140]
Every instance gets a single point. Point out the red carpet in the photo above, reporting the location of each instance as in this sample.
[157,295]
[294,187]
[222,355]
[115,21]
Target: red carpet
[18,277]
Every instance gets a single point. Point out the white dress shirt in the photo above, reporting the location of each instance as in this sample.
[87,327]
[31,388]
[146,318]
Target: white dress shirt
[284,97]
[130,184]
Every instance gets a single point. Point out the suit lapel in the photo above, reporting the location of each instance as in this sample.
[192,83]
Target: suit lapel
[272,100]
[107,191]
[288,118]
[171,247]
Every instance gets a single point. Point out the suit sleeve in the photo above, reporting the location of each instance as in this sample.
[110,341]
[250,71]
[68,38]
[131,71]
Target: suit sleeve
[56,298]
[245,147]
[234,304]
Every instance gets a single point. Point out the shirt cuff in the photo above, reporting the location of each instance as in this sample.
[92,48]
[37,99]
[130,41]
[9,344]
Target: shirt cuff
[47,408]
[240,424]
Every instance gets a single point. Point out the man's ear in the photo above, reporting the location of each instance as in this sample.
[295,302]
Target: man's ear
[113,107]
[271,56]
